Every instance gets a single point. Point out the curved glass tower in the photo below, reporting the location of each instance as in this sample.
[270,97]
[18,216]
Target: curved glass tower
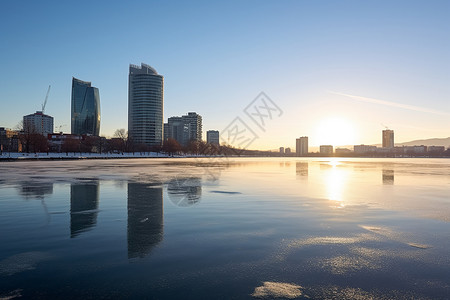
[85,108]
[145,105]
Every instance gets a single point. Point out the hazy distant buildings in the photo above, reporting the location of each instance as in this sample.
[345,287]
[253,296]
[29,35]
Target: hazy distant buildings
[301,146]
[326,149]
[38,123]
[145,105]
[287,151]
[361,149]
[281,150]
[186,128]
[85,108]
[342,151]
[212,137]
[388,138]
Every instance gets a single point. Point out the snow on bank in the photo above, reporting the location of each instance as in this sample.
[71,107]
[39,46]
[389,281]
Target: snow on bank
[78,155]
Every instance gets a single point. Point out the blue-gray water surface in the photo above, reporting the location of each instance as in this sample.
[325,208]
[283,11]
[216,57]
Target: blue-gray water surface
[220,228]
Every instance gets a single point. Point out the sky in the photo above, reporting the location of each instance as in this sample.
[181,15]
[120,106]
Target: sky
[339,71]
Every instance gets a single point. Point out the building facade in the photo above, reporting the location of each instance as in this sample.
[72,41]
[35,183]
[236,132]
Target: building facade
[212,137]
[388,138]
[361,149]
[186,128]
[326,149]
[302,146]
[38,123]
[85,108]
[145,105]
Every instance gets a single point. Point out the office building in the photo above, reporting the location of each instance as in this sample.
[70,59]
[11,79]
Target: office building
[326,149]
[287,151]
[388,138]
[38,123]
[212,137]
[85,108]
[145,105]
[281,150]
[302,146]
[186,128]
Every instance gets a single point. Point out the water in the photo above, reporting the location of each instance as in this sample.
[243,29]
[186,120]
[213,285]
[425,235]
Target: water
[225,229]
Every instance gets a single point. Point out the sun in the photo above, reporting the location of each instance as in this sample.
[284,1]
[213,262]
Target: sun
[335,131]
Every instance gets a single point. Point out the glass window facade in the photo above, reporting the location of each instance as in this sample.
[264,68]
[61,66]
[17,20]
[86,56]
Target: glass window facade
[145,105]
[85,108]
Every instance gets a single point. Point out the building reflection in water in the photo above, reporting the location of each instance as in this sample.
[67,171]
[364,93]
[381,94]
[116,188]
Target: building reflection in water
[83,207]
[301,169]
[185,191]
[388,176]
[145,218]
[35,189]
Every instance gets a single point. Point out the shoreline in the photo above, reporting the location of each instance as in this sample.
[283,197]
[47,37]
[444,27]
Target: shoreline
[90,156]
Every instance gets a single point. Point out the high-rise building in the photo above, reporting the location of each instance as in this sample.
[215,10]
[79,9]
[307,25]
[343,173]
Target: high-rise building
[145,105]
[175,129]
[185,128]
[85,108]
[38,123]
[388,138]
[212,137]
[281,150]
[301,146]
[193,124]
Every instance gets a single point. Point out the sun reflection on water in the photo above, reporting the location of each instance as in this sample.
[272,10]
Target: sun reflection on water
[335,182]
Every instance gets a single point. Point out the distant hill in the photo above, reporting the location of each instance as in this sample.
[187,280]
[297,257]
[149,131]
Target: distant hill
[428,142]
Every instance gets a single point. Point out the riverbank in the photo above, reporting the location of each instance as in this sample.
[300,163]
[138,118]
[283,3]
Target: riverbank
[76,155]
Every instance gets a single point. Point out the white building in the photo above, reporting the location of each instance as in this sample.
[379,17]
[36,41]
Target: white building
[38,123]
[145,105]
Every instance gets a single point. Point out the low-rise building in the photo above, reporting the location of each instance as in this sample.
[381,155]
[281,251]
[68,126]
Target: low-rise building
[326,149]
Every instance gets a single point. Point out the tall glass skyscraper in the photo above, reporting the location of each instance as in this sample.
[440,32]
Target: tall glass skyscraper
[85,108]
[145,105]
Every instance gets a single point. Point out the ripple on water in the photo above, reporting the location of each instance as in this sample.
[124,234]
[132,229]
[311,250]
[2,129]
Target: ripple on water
[21,262]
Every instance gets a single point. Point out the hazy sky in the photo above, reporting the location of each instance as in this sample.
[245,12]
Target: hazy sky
[337,69]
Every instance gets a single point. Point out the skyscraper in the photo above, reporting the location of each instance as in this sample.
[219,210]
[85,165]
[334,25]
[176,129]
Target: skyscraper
[145,105]
[302,146]
[85,108]
[388,138]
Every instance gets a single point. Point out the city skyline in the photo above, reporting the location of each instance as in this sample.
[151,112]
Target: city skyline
[357,67]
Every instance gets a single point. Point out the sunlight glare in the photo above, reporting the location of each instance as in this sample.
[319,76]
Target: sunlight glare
[336,132]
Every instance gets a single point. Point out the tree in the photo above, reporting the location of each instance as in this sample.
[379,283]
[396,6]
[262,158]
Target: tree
[30,139]
[124,140]
[171,146]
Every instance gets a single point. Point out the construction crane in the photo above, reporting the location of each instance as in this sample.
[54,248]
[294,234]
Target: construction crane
[46,98]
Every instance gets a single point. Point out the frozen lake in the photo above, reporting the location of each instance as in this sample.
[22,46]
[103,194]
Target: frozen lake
[243,228]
